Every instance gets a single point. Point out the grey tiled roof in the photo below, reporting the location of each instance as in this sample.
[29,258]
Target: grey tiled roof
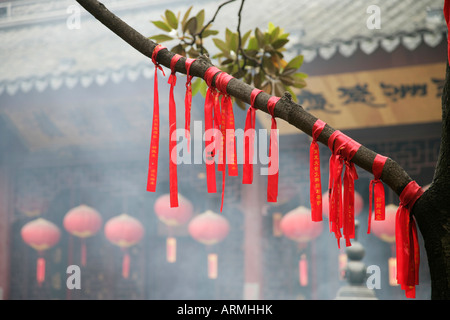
[39,51]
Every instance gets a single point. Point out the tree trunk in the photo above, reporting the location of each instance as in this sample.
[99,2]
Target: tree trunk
[432,210]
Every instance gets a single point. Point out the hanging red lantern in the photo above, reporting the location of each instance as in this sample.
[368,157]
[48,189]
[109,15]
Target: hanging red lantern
[41,235]
[124,231]
[359,204]
[209,228]
[173,217]
[83,222]
[297,226]
[385,230]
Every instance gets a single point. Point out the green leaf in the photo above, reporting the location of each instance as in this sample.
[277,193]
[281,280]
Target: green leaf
[171,19]
[260,37]
[244,38]
[162,25]
[271,27]
[301,75]
[295,63]
[179,50]
[253,44]
[207,33]
[200,20]
[299,81]
[191,26]
[161,38]
[287,80]
[274,34]
[222,46]
[203,88]
[185,17]
[277,44]
[196,86]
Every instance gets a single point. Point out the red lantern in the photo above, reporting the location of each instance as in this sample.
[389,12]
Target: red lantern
[359,204]
[385,230]
[297,226]
[83,222]
[124,231]
[41,235]
[172,217]
[209,228]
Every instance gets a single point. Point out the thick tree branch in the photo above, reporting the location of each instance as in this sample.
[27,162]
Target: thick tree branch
[393,174]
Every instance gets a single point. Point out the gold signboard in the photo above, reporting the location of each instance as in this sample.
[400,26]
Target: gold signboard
[386,97]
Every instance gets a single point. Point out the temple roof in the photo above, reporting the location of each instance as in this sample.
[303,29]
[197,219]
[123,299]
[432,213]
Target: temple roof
[40,50]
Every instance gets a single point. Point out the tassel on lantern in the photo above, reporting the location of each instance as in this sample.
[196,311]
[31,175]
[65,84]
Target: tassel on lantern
[303,270]
[171,249]
[342,264]
[126,265]
[212,266]
[83,252]
[392,264]
[40,270]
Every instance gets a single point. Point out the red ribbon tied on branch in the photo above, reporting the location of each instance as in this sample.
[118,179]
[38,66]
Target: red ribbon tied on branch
[227,127]
[249,139]
[315,187]
[173,179]
[210,134]
[188,102]
[154,142]
[219,118]
[272,178]
[376,191]
[407,244]
[342,212]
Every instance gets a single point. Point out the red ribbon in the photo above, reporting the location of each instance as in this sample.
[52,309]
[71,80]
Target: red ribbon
[154,143]
[315,187]
[173,179]
[210,134]
[188,102]
[342,212]
[272,178]
[376,190]
[228,131]
[407,244]
[249,138]
[447,19]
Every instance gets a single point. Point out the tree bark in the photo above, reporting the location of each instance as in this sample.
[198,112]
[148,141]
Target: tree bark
[431,210]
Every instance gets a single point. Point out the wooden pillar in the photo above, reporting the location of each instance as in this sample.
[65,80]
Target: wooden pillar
[5,210]
[253,259]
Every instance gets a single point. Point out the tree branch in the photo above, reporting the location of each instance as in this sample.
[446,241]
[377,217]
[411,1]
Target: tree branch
[393,174]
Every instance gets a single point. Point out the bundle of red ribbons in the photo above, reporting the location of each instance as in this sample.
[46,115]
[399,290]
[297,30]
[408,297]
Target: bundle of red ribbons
[341,206]
[220,142]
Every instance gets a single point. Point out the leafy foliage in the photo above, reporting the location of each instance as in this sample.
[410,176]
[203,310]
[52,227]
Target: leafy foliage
[256,56]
